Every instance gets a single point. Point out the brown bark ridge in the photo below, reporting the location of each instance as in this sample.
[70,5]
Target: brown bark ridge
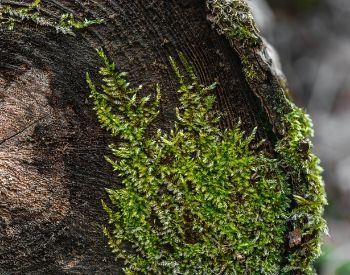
[52,173]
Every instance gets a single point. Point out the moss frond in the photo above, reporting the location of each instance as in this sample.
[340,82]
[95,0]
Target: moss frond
[67,24]
[309,196]
[195,200]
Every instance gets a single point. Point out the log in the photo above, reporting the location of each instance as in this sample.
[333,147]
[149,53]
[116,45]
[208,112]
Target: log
[52,172]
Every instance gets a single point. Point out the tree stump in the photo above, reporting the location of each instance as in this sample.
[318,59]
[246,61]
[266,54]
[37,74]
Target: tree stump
[52,173]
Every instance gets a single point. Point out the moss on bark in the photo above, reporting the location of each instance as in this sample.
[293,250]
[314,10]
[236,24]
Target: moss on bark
[294,128]
[196,200]
[268,200]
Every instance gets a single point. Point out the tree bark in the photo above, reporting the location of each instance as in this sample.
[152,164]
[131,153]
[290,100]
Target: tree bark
[52,173]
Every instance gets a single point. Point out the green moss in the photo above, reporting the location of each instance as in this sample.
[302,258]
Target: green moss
[248,69]
[234,19]
[245,35]
[195,200]
[309,197]
[9,15]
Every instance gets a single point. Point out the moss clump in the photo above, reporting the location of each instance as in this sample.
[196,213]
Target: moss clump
[234,19]
[291,123]
[248,69]
[309,196]
[195,200]
[9,15]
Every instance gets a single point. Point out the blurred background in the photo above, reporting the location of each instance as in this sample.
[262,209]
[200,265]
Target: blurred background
[312,38]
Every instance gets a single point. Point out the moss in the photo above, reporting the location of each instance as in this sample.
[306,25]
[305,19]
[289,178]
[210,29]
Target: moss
[195,200]
[309,196]
[67,24]
[234,19]
[248,69]
[245,35]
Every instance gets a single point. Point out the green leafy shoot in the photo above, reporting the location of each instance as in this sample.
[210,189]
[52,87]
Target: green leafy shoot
[194,200]
[67,24]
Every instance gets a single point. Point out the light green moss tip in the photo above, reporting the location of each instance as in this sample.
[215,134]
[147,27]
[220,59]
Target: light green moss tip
[248,69]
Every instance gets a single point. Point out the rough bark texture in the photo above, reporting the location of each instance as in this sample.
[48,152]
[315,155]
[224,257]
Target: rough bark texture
[52,173]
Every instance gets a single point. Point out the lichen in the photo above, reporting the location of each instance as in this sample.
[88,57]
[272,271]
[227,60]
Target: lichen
[195,200]
[67,24]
